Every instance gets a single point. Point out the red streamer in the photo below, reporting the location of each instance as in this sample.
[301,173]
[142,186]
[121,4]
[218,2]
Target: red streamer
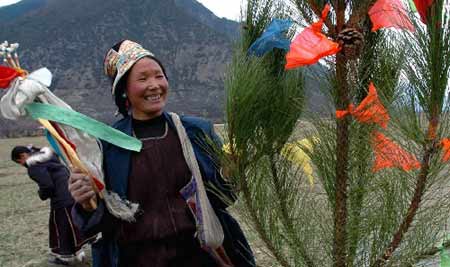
[7,75]
[422,7]
[311,45]
[446,149]
[370,110]
[390,13]
[390,155]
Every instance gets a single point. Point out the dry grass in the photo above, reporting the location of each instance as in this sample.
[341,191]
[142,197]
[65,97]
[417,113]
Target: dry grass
[23,216]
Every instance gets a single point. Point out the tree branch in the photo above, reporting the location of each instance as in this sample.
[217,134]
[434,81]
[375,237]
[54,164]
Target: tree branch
[413,207]
[342,151]
[360,15]
[259,227]
[287,220]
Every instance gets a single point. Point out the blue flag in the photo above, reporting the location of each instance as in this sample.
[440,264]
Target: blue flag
[273,37]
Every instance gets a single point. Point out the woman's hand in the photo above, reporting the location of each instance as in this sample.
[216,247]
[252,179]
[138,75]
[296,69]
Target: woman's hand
[80,187]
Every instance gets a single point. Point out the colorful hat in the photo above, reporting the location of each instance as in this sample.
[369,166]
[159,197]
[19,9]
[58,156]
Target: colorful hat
[119,62]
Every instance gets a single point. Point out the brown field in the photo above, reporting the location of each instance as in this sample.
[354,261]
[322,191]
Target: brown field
[24,217]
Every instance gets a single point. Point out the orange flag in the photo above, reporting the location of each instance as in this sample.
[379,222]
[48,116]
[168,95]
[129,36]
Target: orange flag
[422,7]
[390,155]
[446,148]
[370,110]
[389,13]
[311,45]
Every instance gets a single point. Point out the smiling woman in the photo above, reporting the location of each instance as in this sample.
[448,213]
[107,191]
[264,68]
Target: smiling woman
[180,223]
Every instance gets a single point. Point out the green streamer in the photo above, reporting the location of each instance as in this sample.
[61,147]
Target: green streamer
[412,6]
[83,123]
[445,258]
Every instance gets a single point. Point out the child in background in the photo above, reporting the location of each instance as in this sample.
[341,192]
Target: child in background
[51,175]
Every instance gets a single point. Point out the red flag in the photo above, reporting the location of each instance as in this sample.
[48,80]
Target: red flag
[370,110]
[446,148]
[389,13]
[311,45]
[7,75]
[390,155]
[422,7]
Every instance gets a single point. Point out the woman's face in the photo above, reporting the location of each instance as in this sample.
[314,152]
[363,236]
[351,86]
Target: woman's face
[147,89]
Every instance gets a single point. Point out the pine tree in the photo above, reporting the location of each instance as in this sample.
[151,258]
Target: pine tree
[352,215]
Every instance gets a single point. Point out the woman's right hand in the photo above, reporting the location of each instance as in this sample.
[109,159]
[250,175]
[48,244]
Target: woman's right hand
[80,187]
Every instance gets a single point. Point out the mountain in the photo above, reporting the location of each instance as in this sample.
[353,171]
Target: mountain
[204,15]
[12,12]
[71,37]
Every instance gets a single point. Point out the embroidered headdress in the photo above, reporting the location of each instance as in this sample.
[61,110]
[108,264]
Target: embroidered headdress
[117,63]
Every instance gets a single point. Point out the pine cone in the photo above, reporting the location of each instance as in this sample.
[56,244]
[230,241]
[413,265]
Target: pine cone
[351,41]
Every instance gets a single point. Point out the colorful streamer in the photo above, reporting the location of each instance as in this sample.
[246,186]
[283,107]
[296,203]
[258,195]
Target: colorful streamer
[422,7]
[446,149]
[390,155]
[7,75]
[54,144]
[370,110]
[412,6]
[390,13]
[83,123]
[445,257]
[273,37]
[311,45]
[295,153]
[71,154]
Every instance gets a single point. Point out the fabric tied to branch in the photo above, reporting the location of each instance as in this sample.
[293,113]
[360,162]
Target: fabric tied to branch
[422,7]
[390,13]
[445,257]
[311,45]
[370,110]
[273,37]
[390,155]
[7,76]
[446,149]
[296,154]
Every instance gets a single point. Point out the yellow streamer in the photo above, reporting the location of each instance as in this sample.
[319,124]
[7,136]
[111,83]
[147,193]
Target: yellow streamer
[294,153]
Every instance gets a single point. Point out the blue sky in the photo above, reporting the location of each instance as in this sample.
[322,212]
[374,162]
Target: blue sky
[229,9]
